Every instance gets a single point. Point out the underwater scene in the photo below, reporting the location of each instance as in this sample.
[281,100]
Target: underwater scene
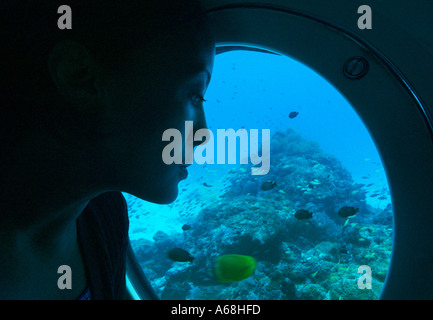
[308,229]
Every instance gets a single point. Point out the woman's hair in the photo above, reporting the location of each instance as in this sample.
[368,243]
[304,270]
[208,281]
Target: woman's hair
[108,28]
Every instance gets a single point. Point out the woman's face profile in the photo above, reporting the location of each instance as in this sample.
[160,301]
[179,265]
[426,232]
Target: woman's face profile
[156,87]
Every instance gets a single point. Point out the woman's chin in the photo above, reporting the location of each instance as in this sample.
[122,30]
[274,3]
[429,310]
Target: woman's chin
[159,196]
[161,188]
[164,199]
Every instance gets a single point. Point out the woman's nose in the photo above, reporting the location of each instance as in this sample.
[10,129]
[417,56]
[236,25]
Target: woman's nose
[200,124]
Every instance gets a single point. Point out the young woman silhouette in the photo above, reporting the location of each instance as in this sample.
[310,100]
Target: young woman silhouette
[83,114]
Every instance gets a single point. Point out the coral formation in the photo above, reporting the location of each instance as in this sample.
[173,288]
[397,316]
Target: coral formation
[315,258]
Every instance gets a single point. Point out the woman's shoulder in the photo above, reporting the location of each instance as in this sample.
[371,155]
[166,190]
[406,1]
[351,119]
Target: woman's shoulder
[103,236]
[107,216]
[113,200]
[108,203]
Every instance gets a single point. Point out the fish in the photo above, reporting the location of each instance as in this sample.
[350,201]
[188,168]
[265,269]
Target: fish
[180,255]
[315,182]
[303,214]
[268,185]
[186,227]
[382,198]
[345,212]
[365,177]
[346,222]
[374,195]
[206,185]
[233,267]
[293,114]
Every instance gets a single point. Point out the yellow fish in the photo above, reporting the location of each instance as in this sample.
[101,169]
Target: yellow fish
[234,267]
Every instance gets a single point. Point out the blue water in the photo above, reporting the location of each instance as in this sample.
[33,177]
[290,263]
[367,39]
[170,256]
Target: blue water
[258,91]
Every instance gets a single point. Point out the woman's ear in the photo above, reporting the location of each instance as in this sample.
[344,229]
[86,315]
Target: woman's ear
[73,70]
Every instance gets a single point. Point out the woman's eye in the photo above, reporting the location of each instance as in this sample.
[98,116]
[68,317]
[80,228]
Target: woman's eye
[198,100]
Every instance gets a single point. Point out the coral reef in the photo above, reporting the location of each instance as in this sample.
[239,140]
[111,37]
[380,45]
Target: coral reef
[316,258]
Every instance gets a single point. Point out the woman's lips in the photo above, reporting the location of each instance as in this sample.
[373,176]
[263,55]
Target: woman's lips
[183,171]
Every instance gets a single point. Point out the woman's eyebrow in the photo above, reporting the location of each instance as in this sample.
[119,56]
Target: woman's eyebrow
[196,72]
[208,76]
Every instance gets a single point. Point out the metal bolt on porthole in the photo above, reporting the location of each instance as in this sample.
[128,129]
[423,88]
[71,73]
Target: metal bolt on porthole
[355,67]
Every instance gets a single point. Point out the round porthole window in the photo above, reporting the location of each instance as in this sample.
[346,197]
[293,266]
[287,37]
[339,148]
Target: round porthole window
[314,223]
